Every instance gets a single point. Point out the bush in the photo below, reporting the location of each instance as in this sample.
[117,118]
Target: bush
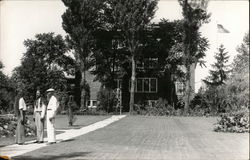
[107,100]
[161,108]
[233,122]
[8,127]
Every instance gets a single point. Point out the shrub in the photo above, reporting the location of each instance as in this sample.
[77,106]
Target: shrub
[233,122]
[8,127]
[161,108]
[107,100]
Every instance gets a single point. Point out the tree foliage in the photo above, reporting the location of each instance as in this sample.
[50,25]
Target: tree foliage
[193,19]
[109,58]
[6,91]
[233,94]
[43,65]
[81,20]
[220,71]
[132,17]
[238,83]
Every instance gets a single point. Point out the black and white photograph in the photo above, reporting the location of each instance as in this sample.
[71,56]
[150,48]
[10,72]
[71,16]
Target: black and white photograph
[124,80]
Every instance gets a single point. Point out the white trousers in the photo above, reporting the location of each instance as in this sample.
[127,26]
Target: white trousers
[50,127]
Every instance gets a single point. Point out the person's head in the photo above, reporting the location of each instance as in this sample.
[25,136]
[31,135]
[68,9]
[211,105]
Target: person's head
[50,92]
[38,93]
[19,94]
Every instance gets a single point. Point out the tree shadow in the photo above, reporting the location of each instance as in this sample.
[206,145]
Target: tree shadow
[54,157]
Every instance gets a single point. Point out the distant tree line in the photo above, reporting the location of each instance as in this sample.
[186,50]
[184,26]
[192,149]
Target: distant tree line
[227,86]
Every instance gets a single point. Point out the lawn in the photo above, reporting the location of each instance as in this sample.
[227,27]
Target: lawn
[141,137]
[61,124]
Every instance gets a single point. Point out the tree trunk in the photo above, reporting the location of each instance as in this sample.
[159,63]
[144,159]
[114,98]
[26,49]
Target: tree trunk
[70,114]
[132,89]
[186,40]
[83,91]
[188,88]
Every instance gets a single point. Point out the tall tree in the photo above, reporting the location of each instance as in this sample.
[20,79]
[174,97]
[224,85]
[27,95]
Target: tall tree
[132,17]
[7,91]
[218,76]
[238,83]
[109,58]
[42,65]
[219,73]
[194,16]
[241,61]
[80,20]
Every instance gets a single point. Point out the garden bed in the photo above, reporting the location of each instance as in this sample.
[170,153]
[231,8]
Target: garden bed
[8,125]
[233,122]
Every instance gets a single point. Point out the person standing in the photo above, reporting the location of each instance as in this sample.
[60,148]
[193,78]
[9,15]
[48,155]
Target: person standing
[20,130]
[70,110]
[39,117]
[51,113]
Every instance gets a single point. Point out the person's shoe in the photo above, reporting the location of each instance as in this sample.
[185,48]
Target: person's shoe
[50,143]
[20,143]
[36,141]
[40,142]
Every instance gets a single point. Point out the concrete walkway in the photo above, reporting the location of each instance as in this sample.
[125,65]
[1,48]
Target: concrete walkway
[16,150]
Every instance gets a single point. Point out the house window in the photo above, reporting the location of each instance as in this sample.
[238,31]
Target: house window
[139,65]
[146,85]
[148,63]
[152,62]
[179,86]
[153,85]
[118,83]
[139,85]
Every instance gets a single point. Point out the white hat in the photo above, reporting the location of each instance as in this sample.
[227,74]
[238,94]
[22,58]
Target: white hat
[50,90]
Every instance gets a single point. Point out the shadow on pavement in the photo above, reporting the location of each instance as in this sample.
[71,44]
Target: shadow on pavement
[54,157]
[75,126]
[68,140]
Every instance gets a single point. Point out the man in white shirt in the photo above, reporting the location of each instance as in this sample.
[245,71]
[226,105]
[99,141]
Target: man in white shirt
[20,130]
[51,113]
[39,116]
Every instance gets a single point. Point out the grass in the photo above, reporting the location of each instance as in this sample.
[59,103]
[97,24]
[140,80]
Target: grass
[60,124]
[141,137]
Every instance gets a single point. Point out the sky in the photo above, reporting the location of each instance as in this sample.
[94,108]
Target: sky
[22,19]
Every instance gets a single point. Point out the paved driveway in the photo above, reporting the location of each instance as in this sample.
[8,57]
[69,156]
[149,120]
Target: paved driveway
[139,137]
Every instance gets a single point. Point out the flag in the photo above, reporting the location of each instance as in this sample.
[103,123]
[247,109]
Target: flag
[221,29]
[198,4]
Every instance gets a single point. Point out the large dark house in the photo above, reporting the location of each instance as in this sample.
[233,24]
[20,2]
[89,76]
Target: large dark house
[149,87]
[156,75]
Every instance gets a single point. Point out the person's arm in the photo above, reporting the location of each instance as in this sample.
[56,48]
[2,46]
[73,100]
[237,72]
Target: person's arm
[34,114]
[51,105]
[43,111]
[22,117]
[55,107]
[24,109]
[20,107]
